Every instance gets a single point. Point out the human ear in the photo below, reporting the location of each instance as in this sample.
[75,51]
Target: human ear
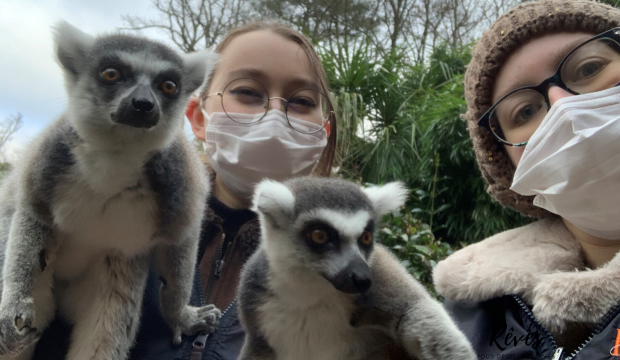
[196,118]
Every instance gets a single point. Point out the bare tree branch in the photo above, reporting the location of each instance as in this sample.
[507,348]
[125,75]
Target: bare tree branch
[192,24]
[412,26]
[9,127]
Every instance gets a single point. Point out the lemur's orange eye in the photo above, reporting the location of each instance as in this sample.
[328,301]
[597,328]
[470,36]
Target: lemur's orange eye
[169,87]
[111,75]
[366,238]
[318,236]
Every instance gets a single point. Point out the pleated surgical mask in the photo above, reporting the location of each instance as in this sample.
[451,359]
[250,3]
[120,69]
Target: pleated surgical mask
[243,154]
[572,162]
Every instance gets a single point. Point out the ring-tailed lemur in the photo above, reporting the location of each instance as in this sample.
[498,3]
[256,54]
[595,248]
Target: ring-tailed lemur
[107,187]
[319,287]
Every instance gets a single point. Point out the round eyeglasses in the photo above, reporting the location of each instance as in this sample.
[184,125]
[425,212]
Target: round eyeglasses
[592,66]
[307,111]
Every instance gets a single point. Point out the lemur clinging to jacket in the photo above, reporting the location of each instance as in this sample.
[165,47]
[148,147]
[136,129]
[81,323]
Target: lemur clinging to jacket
[319,287]
[109,186]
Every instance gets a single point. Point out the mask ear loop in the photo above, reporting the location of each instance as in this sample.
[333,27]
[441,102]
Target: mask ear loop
[204,111]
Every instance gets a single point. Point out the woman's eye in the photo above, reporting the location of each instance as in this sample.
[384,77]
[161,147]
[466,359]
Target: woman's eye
[585,70]
[246,92]
[525,113]
[588,70]
[111,75]
[301,104]
[302,101]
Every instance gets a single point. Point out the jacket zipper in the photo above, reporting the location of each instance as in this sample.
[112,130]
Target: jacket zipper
[200,342]
[558,354]
[558,351]
[611,314]
[218,265]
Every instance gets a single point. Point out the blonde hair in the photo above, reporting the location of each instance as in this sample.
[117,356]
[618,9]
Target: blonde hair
[327,158]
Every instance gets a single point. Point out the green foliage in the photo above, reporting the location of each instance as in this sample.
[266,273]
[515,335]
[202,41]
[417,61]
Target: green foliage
[448,175]
[615,3]
[401,121]
[414,244]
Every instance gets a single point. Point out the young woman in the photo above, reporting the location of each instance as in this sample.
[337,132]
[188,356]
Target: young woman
[545,75]
[265,113]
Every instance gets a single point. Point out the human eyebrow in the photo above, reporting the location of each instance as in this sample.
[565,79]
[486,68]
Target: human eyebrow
[299,83]
[560,53]
[302,83]
[247,73]
[513,84]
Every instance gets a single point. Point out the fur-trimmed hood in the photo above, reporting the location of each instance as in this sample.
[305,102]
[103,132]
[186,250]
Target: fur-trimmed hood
[541,262]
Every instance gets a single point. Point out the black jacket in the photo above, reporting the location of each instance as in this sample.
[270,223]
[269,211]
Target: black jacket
[228,235]
[505,328]
[154,341]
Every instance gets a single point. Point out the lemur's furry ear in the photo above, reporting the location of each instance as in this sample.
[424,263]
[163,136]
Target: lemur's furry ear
[198,68]
[274,201]
[71,46]
[388,197]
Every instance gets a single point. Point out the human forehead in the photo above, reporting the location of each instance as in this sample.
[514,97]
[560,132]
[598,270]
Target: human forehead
[535,61]
[267,57]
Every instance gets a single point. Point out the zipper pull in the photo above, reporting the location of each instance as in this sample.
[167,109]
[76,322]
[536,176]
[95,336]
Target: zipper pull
[199,346]
[558,354]
[219,265]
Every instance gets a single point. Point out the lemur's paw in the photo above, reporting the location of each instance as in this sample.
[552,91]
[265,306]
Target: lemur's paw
[16,331]
[193,320]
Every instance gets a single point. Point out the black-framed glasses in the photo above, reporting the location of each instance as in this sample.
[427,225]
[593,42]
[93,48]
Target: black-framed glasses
[246,101]
[592,66]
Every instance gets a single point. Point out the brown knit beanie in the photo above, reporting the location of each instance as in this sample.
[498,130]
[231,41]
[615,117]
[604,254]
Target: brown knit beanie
[509,32]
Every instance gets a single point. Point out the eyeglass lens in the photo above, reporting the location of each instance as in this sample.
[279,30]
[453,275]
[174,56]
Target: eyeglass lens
[592,67]
[307,110]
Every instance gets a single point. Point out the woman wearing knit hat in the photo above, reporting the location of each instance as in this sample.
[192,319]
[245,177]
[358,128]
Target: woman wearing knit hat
[545,75]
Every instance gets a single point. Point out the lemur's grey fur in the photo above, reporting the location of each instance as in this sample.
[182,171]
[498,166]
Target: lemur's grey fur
[341,300]
[108,187]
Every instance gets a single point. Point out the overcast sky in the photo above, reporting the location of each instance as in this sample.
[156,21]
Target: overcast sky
[32,81]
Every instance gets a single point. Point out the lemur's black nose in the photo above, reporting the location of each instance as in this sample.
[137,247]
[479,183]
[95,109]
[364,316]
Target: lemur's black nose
[142,99]
[360,282]
[139,109]
[142,104]
[355,278]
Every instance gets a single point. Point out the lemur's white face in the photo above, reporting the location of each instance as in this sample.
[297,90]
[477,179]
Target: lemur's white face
[324,227]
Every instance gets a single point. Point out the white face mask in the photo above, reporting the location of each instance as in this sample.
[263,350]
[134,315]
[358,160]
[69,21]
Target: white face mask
[244,154]
[572,163]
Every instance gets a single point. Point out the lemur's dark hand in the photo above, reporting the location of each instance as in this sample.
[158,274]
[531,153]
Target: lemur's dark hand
[193,320]
[16,331]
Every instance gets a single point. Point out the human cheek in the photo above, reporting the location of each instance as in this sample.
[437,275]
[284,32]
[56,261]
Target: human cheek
[212,105]
[514,153]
